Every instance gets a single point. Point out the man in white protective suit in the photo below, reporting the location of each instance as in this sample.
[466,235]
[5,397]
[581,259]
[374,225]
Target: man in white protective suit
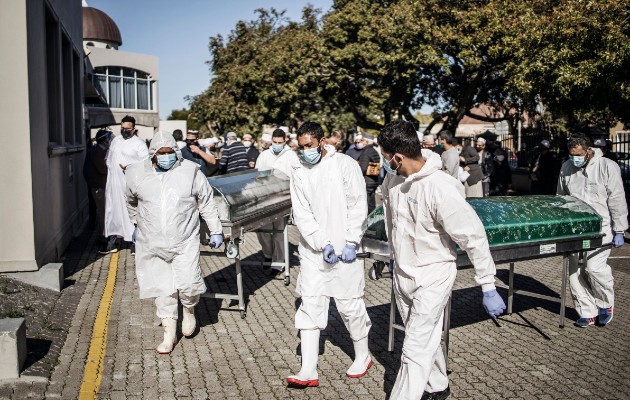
[596,180]
[281,158]
[124,150]
[426,215]
[165,196]
[330,211]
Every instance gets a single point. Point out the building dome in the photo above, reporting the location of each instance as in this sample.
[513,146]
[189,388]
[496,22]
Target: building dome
[99,27]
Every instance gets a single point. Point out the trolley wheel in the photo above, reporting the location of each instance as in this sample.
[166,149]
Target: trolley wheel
[287,280]
[243,314]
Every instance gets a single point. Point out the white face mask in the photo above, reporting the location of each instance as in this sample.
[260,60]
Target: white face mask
[499,158]
[247,143]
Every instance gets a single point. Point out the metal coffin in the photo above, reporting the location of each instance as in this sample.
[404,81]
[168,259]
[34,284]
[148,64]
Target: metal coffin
[250,199]
[518,227]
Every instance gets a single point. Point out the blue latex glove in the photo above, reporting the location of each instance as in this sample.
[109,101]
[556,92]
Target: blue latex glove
[216,241]
[618,240]
[391,265]
[349,253]
[134,235]
[329,254]
[493,303]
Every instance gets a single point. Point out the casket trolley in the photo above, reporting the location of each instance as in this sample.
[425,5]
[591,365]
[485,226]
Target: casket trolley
[248,201]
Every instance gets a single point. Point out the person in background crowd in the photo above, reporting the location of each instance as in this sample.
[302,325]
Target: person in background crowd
[370,164]
[426,215]
[166,195]
[196,153]
[354,151]
[124,150]
[428,142]
[273,243]
[486,159]
[469,159]
[179,138]
[252,152]
[543,172]
[596,180]
[265,142]
[335,139]
[605,146]
[293,142]
[329,210]
[96,175]
[501,178]
[450,156]
[233,156]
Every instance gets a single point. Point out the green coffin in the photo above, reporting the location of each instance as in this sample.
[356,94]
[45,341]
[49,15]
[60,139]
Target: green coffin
[520,219]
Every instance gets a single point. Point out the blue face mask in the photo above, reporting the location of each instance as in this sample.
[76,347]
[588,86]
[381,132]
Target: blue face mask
[388,167]
[277,148]
[578,161]
[166,161]
[311,156]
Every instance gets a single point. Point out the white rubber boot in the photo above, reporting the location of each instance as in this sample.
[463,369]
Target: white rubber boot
[362,360]
[170,335]
[310,350]
[189,323]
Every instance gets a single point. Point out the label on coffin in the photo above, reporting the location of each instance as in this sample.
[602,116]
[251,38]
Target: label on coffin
[548,248]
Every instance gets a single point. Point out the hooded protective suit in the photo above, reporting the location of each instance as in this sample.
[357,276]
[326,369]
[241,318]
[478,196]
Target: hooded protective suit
[121,152]
[600,186]
[330,207]
[166,208]
[273,243]
[426,214]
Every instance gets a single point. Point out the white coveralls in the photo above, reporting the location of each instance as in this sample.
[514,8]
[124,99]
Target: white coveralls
[600,186]
[121,152]
[166,207]
[273,243]
[330,207]
[426,214]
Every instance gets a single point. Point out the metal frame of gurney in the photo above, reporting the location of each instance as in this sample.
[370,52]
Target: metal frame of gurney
[511,253]
[248,201]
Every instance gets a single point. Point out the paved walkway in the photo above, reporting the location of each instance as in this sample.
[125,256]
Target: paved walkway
[525,356]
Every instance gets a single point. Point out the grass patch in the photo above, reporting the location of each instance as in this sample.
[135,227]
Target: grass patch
[15,314]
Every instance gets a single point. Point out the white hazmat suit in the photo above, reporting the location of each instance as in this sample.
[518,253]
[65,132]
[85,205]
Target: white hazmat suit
[330,207]
[122,152]
[426,214]
[166,207]
[600,186]
[273,243]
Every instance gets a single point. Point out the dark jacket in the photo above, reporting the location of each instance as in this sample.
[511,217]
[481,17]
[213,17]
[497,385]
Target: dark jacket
[252,154]
[501,178]
[206,169]
[487,164]
[353,152]
[95,167]
[369,155]
[471,160]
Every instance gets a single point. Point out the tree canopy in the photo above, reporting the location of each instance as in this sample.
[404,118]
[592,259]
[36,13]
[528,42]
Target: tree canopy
[366,62]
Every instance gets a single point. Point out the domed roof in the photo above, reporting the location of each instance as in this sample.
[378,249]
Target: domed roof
[99,26]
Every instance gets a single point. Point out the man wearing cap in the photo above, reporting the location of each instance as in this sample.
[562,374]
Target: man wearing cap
[124,151]
[354,151]
[293,142]
[196,153]
[486,162]
[234,155]
[428,142]
[265,141]
[252,152]
[544,175]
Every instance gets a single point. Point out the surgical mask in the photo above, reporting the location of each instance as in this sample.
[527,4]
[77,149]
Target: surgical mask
[311,156]
[388,166]
[277,148]
[499,158]
[359,145]
[578,161]
[166,161]
[126,133]
[247,143]
[219,145]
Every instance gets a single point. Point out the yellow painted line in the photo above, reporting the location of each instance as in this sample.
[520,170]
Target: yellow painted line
[94,365]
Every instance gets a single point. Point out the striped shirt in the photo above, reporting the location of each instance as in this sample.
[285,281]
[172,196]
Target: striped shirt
[233,158]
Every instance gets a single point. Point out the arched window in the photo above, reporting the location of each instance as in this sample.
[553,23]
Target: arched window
[125,87]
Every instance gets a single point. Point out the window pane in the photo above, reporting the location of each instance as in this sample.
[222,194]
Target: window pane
[130,93]
[151,94]
[100,70]
[142,75]
[100,82]
[115,100]
[129,72]
[143,95]
[114,71]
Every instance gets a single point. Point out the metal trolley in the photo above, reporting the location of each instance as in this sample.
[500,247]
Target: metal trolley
[248,201]
[374,247]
